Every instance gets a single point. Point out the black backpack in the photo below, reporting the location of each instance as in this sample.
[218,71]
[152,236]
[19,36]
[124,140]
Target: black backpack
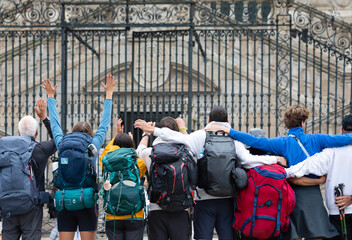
[218,167]
[173,176]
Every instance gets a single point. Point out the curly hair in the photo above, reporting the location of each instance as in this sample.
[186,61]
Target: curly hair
[294,116]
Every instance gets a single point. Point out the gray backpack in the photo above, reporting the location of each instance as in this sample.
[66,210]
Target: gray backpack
[215,168]
[18,190]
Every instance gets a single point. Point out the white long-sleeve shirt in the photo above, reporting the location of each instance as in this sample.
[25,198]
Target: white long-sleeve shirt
[195,142]
[337,164]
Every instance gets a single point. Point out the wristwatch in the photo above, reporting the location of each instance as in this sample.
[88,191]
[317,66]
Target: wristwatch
[145,134]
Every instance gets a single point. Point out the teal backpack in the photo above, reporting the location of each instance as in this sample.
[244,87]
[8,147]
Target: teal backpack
[125,194]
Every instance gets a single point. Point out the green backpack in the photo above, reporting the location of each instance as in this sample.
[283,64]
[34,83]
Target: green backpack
[124,195]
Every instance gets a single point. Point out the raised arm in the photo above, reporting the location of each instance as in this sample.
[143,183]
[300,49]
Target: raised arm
[40,109]
[102,130]
[54,118]
[272,145]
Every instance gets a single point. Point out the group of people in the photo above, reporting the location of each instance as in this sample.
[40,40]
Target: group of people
[311,159]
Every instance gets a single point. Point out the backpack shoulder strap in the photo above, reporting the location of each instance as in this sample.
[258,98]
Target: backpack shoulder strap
[300,144]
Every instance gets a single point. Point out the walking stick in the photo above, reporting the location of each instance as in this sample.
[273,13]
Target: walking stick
[338,193]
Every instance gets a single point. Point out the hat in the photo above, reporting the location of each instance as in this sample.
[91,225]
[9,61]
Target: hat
[257,132]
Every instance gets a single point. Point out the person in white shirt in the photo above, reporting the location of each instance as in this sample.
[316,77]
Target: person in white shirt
[163,224]
[210,211]
[335,163]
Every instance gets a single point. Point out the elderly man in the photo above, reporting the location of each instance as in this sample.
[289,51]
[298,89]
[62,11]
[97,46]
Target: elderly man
[34,162]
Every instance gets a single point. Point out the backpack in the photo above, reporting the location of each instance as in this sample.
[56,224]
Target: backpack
[264,206]
[173,175]
[216,167]
[19,193]
[126,195]
[76,166]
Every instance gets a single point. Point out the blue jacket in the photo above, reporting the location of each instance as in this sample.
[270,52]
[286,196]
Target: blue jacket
[289,148]
[99,136]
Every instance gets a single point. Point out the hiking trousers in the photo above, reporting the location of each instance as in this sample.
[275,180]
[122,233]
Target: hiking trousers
[28,225]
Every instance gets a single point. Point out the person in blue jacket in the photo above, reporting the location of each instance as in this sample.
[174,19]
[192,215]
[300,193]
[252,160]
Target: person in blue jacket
[309,219]
[86,219]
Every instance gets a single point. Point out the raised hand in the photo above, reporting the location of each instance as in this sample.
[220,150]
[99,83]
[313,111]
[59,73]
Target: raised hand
[109,86]
[41,109]
[119,126]
[50,90]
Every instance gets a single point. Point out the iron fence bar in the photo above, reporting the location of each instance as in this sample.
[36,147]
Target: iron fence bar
[118,84]
[219,69]
[19,75]
[164,56]
[151,79]
[190,66]
[13,85]
[27,74]
[277,80]
[118,77]
[72,79]
[170,71]
[262,79]
[299,70]
[34,70]
[233,81]
[247,76]
[351,88]
[212,71]
[328,93]
[132,90]
[79,81]
[225,77]
[343,86]
[336,96]
[63,72]
[306,77]
[86,80]
[145,78]
[125,103]
[198,85]
[92,86]
[321,88]
[205,80]
[176,69]
[269,88]
[240,84]
[313,91]
[6,94]
[182,76]
[40,76]
[254,80]
[99,93]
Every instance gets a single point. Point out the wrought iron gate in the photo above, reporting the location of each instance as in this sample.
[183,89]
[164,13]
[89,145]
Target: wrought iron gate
[175,58]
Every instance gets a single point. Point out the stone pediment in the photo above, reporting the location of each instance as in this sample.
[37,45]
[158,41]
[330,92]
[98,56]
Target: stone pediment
[171,81]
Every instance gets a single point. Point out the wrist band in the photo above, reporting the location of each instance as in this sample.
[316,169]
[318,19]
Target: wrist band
[182,128]
[145,134]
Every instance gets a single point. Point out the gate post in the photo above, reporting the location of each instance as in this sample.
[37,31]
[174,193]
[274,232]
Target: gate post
[190,67]
[63,71]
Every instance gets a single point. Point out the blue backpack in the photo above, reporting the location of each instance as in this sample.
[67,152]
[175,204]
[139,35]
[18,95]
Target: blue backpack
[18,189]
[76,166]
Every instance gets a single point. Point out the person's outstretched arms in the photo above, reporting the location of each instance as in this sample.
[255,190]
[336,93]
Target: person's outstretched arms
[54,118]
[102,130]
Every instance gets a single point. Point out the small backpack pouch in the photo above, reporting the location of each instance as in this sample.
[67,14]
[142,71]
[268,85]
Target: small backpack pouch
[75,199]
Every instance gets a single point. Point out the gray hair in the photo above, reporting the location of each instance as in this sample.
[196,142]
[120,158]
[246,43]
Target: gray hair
[27,126]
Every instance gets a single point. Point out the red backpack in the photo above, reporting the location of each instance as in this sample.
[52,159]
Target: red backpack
[263,207]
